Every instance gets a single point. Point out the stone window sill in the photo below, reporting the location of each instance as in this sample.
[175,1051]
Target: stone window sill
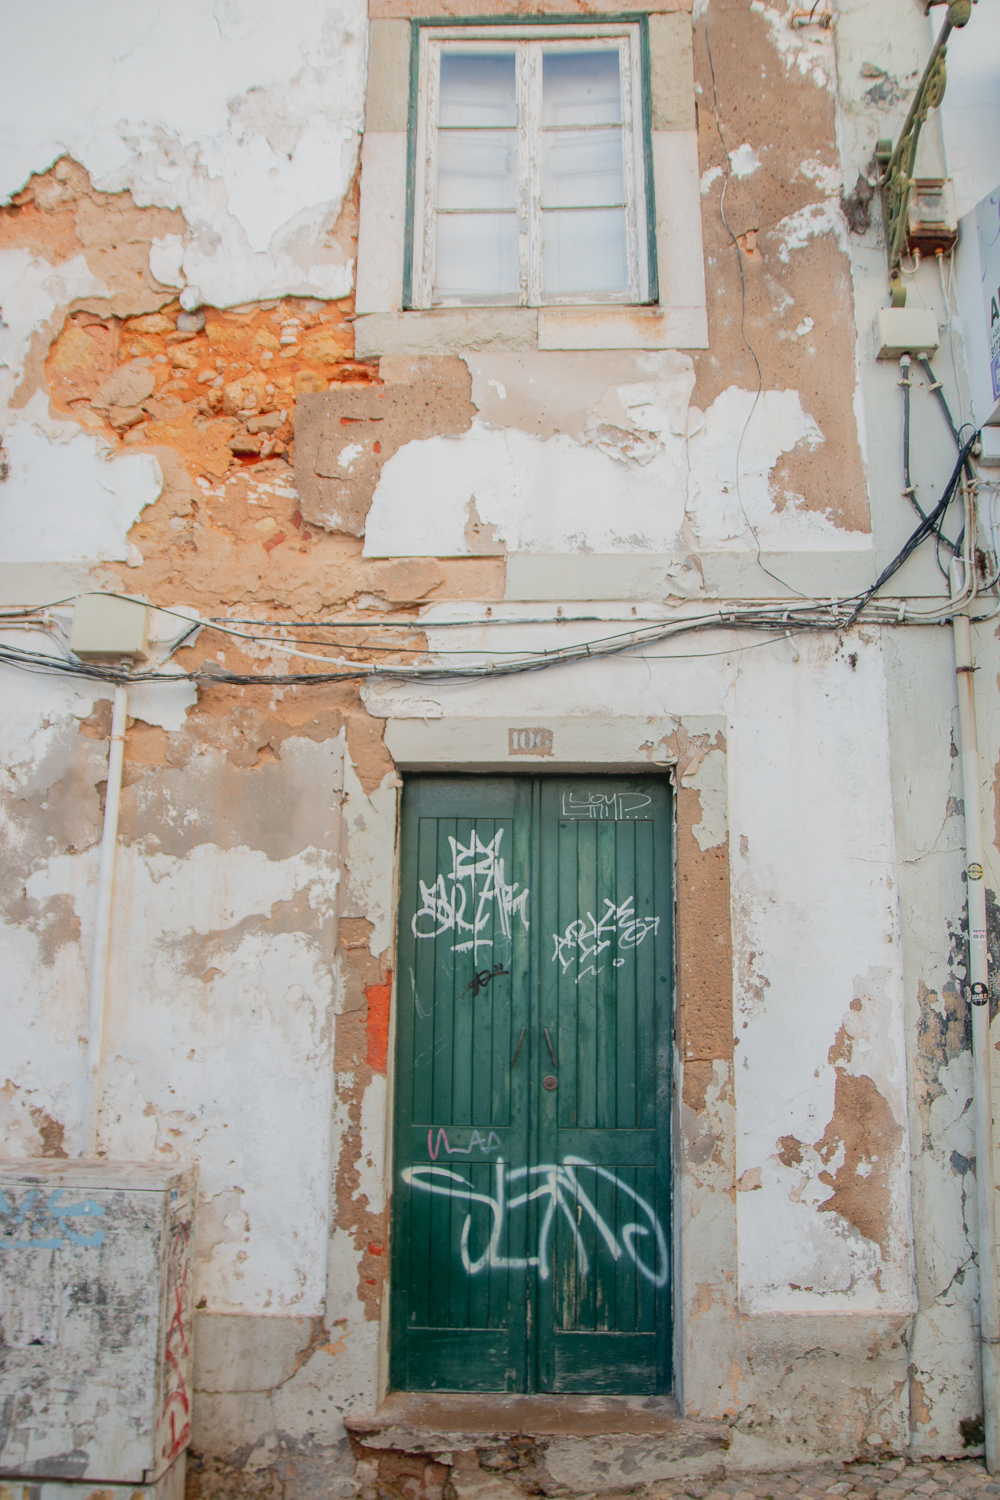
[453,330]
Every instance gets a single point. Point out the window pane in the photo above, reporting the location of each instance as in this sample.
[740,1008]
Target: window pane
[476,168]
[582,168]
[477,88]
[584,251]
[476,255]
[581,88]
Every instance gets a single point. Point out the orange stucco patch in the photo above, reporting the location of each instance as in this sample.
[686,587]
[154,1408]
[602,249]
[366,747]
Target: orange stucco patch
[378,1024]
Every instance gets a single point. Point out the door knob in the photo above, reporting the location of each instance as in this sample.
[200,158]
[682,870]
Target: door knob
[550,1081]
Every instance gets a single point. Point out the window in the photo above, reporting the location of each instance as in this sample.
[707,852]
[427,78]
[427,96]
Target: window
[529,169]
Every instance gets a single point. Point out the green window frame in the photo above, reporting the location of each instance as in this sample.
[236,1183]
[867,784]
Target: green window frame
[428,40]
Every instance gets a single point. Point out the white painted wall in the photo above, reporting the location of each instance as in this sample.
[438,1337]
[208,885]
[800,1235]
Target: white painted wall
[650,473]
[219,1033]
[244,116]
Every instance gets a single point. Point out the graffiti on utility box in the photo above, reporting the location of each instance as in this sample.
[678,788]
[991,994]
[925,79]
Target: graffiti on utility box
[41,1221]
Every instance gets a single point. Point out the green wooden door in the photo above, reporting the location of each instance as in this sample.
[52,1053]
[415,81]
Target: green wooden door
[530,1242]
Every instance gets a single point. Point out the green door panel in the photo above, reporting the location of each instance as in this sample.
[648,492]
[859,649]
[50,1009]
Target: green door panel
[457,1359]
[530,1239]
[607,1364]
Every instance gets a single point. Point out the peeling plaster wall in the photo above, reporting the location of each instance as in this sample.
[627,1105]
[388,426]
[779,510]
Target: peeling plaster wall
[879,61]
[219,111]
[183,416]
[642,471]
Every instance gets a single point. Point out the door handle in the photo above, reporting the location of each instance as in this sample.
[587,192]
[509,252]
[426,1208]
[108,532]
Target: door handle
[517,1049]
[548,1043]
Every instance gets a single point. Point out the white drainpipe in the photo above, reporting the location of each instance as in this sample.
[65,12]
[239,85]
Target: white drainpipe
[989,1307]
[102,934]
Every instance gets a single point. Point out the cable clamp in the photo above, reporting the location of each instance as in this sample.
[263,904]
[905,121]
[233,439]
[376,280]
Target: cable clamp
[901,613]
[911,489]
[935,385]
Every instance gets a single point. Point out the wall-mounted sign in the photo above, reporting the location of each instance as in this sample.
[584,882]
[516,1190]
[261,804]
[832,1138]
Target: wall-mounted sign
[978,268]
[988,231]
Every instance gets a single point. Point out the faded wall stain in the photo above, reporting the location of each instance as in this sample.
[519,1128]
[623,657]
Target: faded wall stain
[863,1124]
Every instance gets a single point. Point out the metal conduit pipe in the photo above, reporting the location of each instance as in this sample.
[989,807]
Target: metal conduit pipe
[102,932]
[978,975]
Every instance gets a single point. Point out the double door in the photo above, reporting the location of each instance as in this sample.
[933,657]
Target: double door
[530,1229]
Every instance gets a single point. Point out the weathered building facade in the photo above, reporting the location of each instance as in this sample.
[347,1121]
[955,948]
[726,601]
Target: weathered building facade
[240,385]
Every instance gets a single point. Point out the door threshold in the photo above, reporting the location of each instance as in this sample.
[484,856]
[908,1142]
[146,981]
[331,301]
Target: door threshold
[423,1416]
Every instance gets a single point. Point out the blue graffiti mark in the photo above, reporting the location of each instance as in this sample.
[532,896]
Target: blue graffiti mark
[42,1210]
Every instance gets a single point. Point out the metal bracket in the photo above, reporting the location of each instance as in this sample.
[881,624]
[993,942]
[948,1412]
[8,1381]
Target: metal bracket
[896,165]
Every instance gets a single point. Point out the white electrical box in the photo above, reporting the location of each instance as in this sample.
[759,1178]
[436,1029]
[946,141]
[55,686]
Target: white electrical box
[106,625]
[905,330]
[96,1311]
[931,216]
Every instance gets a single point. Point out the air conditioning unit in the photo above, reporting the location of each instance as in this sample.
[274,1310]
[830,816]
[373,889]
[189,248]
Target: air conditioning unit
[96,1310]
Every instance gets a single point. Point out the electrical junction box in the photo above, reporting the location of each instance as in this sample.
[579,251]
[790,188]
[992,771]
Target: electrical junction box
[96,1312]
[931,216]
[905,330]
[107,625]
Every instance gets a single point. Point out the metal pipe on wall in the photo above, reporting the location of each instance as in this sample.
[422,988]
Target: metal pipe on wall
[102,932]
[978,974]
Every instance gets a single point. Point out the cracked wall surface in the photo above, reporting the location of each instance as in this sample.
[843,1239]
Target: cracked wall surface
[185,416]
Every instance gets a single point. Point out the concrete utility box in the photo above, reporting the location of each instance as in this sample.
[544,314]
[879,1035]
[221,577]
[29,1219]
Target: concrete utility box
[107,625]
[96,1311]
[905,330]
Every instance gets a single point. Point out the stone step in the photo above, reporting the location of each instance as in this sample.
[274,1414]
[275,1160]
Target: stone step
[497,1447]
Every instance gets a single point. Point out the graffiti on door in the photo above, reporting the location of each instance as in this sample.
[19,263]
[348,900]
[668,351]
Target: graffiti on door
[486,1143]
[588,937]
[465,899]
[559,1186]
[603,806]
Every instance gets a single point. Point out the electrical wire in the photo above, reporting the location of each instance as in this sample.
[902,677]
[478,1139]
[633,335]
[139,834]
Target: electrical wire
[779,620]
[909,489]
[776,619]
[929,524]
[409,622]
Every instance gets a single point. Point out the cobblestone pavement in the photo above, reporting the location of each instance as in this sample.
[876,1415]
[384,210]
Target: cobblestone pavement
[894,1480]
